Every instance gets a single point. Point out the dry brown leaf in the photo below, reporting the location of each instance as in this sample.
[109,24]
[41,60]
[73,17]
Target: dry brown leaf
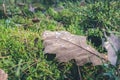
[67,46]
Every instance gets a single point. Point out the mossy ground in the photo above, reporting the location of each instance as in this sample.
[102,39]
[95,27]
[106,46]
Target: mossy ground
[21,49]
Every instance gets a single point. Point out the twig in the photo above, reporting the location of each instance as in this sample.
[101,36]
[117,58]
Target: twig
[80,76]
[4,57]
[4,9]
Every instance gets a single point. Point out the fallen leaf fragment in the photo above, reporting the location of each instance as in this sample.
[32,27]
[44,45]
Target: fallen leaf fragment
[67,46]
[3,75]
[112,46]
